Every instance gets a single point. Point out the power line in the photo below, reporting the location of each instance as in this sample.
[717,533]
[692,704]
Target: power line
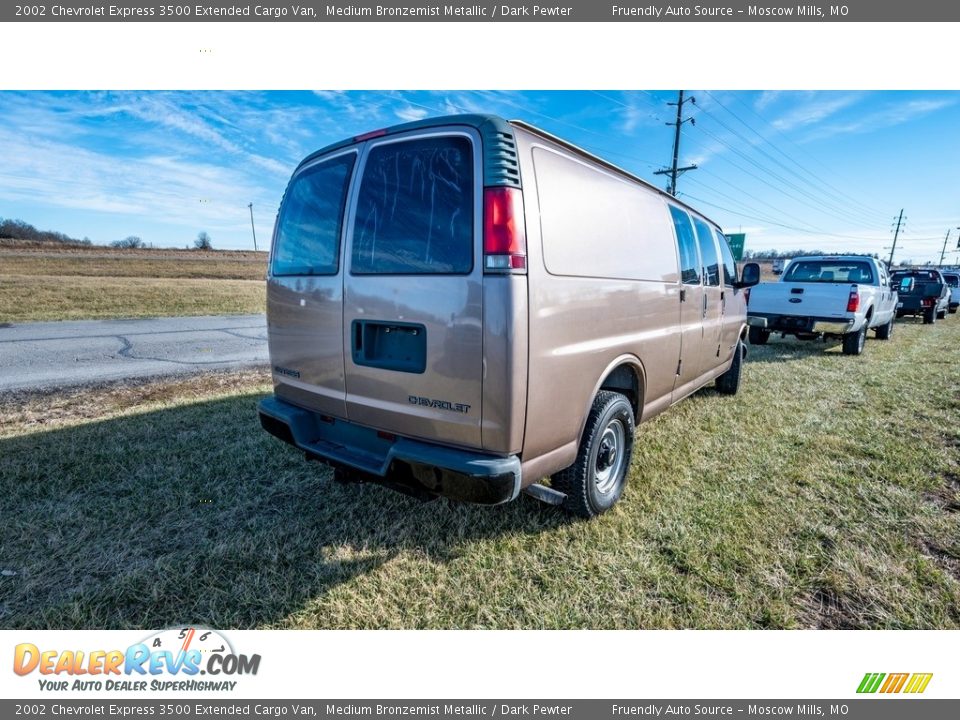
[812,158]
[866,210]
[812,201]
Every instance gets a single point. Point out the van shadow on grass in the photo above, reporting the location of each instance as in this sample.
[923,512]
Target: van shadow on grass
[193,514]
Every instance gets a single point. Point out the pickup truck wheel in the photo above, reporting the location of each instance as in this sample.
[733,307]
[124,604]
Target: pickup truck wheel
[885,331]
[853,342]
[758,336]
[729,382]
[595,481]
[942,315]
[952,311]
[929,316]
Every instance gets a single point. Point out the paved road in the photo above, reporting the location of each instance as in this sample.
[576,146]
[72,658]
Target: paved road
[58,354]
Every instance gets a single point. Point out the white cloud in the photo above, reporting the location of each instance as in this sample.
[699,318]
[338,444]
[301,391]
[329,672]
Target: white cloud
[410,113]
[816,111]
[886,117]
[766,98]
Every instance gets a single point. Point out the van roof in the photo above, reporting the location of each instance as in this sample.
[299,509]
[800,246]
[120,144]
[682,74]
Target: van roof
[500,160]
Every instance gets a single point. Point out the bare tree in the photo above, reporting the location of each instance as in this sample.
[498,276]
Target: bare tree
[203,241]
[131,241]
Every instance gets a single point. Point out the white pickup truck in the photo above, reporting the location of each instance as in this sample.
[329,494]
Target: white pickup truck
[821,296]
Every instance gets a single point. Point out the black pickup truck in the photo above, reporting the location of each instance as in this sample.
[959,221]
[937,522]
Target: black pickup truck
[921,291]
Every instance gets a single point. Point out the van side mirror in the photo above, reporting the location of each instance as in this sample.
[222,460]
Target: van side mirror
[750,275]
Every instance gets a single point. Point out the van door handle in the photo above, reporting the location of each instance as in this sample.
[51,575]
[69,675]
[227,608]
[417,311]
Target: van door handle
[704,305]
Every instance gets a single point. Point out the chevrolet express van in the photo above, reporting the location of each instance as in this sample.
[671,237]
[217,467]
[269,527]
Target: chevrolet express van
[464,306]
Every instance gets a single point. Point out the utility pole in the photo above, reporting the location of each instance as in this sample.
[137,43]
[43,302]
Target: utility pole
[253,228]
[944,251]
[673,171]
[895,234]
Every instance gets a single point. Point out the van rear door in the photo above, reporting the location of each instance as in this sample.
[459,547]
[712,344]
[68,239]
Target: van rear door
[304,287]
[412,309]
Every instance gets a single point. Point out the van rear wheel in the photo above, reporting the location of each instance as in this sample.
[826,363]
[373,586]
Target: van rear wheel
[595,481]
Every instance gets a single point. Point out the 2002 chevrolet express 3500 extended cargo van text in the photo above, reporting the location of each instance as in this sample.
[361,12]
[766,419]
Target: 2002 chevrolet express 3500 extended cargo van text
[462,306]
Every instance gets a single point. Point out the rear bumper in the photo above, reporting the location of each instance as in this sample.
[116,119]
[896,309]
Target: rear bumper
[796,324]
[450,472]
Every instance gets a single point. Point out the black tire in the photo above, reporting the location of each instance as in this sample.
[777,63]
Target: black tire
[853,342]
[758,336]
[929,316]
[588,489]
[885,331]
[729,382]
[942,315]
[899,314]
[952,311]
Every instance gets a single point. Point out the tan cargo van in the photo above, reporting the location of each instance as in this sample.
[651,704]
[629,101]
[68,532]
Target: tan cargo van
[464,306]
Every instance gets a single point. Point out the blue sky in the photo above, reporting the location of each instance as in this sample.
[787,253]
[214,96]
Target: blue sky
[792,169]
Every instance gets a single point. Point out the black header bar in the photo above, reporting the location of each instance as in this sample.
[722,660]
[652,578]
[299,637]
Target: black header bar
[510,11]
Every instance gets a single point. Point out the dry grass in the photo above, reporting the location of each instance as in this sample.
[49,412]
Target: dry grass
[27,298]
[81,283]
[824,495]
[214,266]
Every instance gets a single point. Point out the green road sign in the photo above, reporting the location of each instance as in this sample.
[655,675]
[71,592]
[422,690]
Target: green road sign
[736,241]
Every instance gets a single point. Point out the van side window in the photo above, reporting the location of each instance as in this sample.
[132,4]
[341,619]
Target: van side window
[708,253]
[308,231]
[415,208]
[729,264]
[689,264]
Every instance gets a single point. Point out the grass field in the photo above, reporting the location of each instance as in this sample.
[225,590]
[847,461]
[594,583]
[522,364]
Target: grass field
[825,495]
[79,283]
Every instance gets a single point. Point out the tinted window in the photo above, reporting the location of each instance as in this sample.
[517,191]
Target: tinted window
[708,253]
[689,264]
[415,209]
[918,275]
[829,271]
[729,264]
[952,280]
[308,233]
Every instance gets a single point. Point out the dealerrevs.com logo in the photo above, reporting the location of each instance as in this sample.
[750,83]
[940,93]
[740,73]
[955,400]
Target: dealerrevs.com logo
[172,659]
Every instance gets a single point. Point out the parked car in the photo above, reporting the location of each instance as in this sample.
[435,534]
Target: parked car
[952,279]
[778,266]
[826,296]
[463,306]
[923,292]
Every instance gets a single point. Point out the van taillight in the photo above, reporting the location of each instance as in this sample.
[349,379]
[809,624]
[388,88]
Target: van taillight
[853,302]
[504,234]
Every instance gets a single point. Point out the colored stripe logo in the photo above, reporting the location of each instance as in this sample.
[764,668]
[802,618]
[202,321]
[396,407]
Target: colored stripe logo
[914,683]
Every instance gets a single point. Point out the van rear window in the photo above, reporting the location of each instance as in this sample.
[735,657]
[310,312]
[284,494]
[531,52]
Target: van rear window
[415,209]
[308,232]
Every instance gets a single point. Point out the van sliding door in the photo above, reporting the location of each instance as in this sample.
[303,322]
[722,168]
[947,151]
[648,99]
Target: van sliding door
[691,304]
